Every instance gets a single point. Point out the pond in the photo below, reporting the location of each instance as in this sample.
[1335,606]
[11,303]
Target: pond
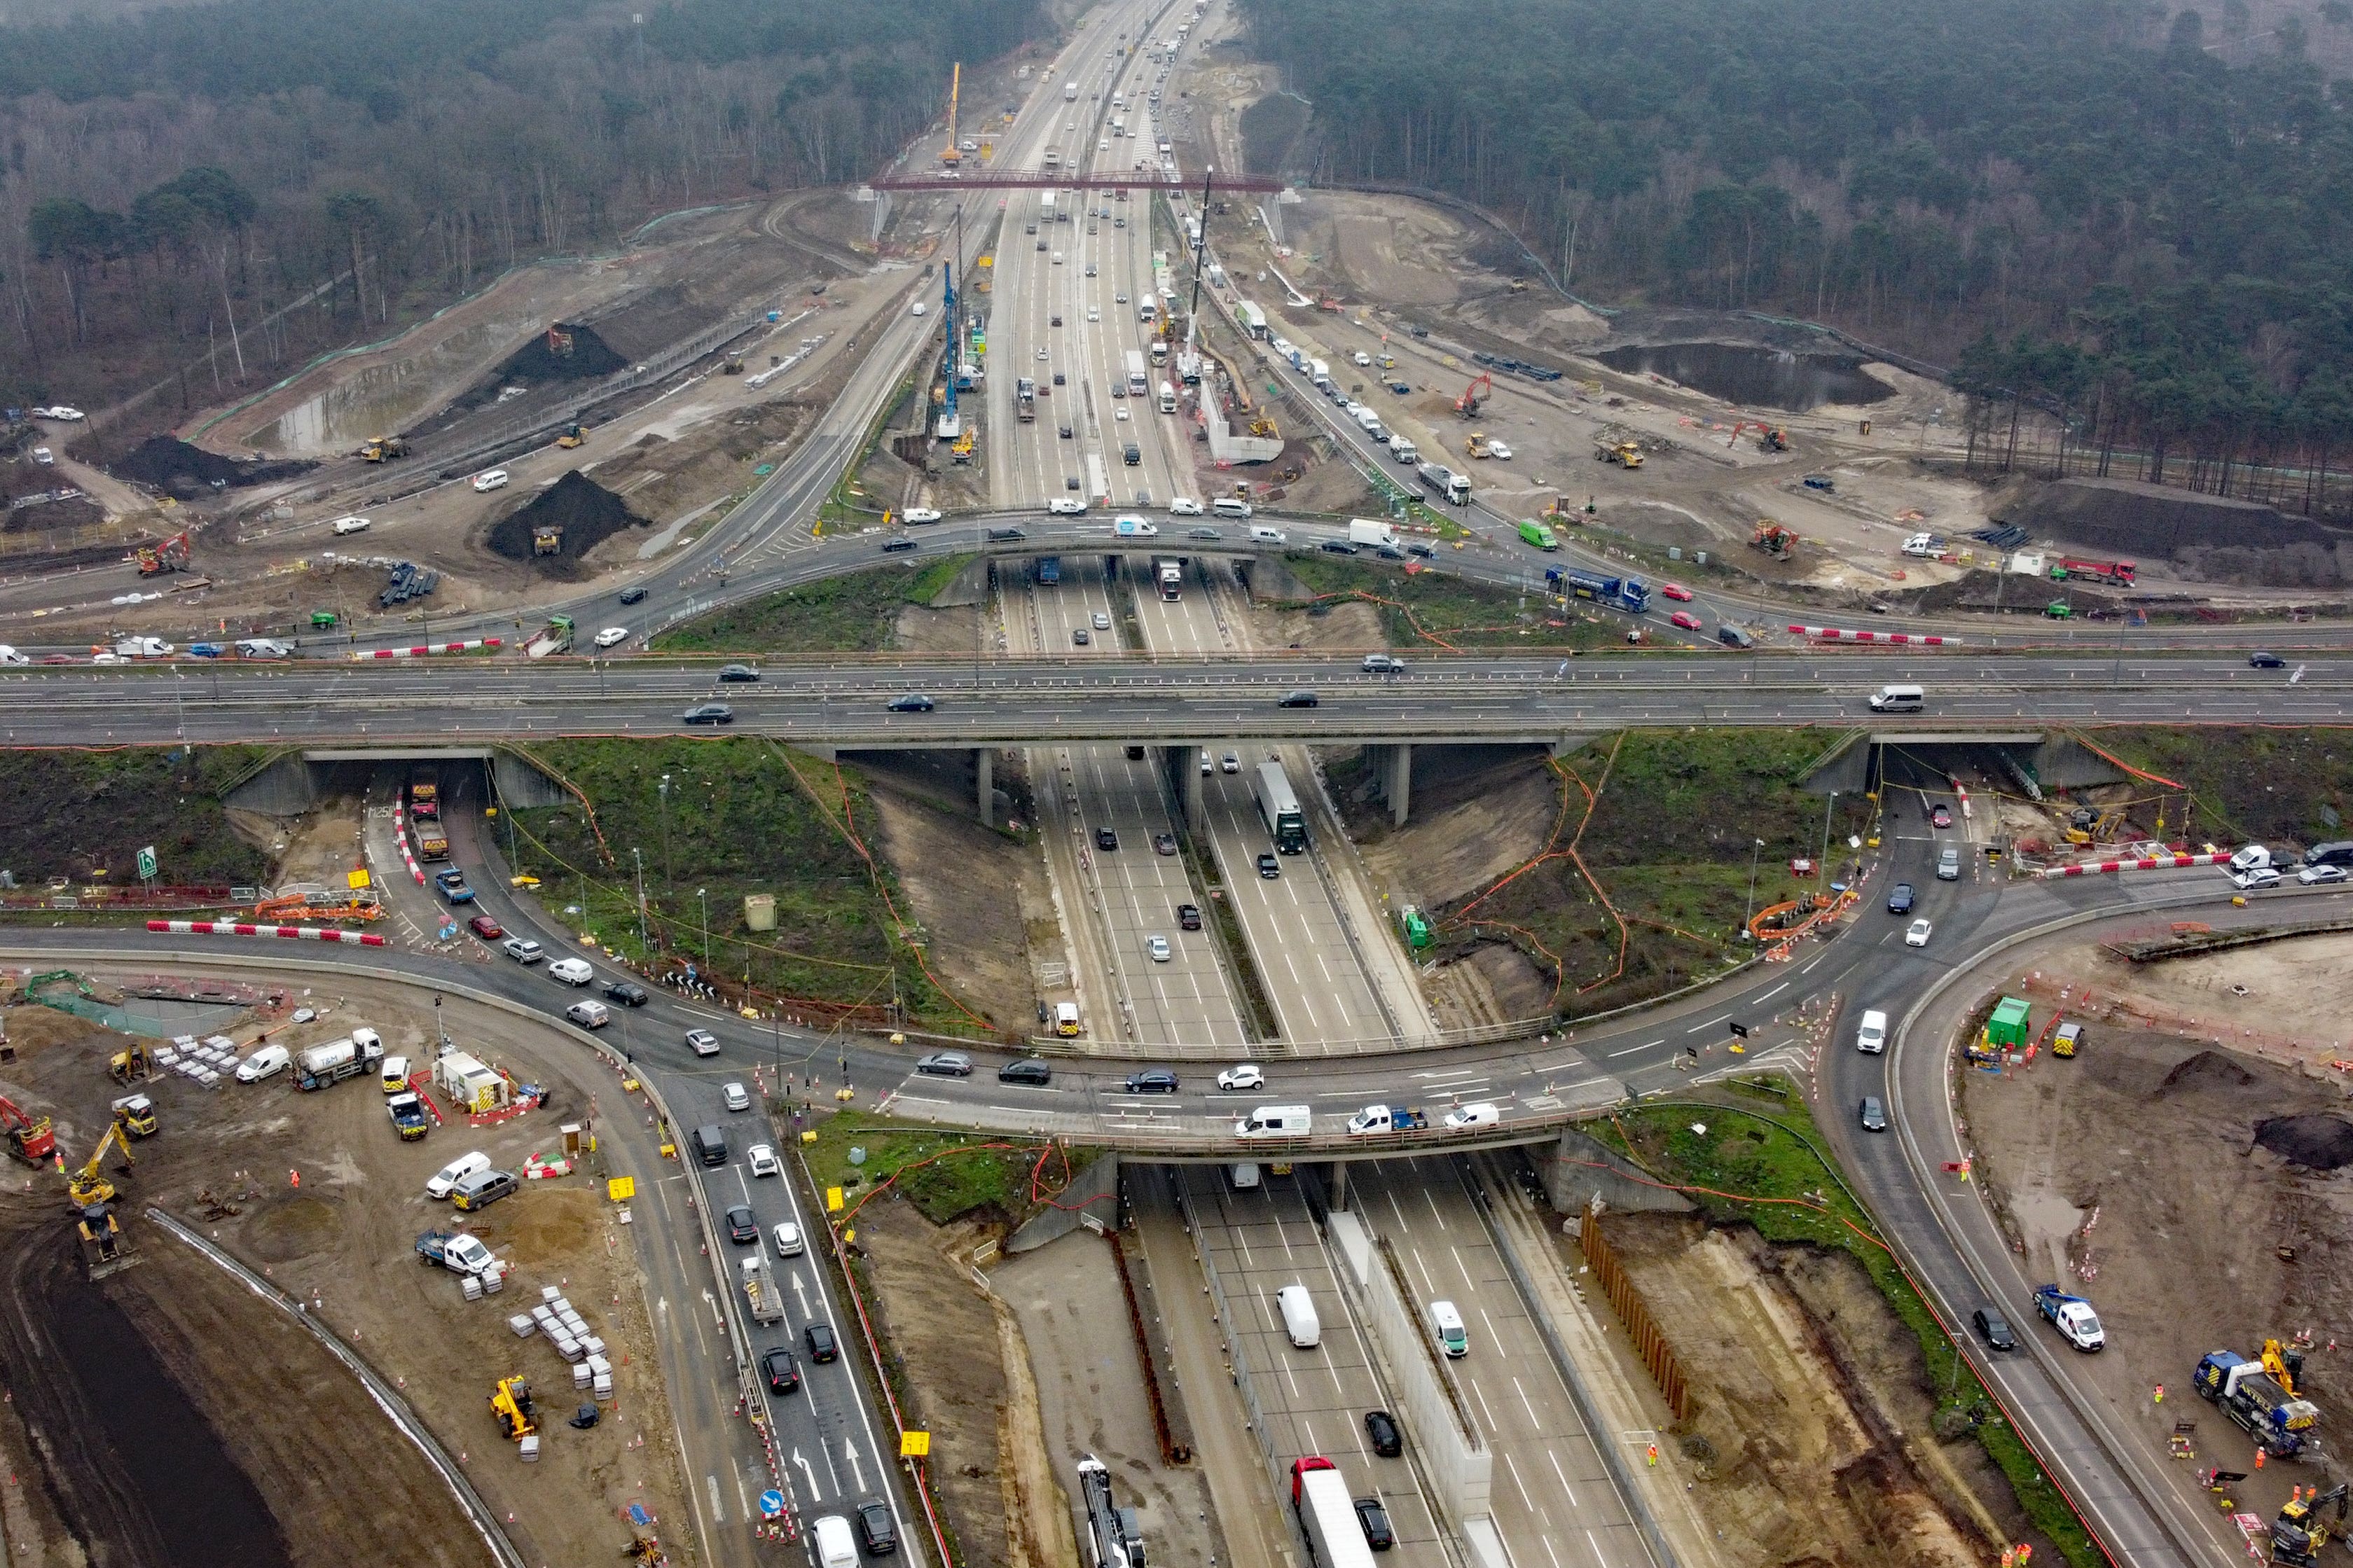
[1747,373]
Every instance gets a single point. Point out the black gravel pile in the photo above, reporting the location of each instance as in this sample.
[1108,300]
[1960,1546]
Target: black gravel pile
[2319,1142]
[586,511]
[174,465]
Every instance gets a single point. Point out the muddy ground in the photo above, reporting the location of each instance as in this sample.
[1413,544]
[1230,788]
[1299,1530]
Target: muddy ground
[342,1239]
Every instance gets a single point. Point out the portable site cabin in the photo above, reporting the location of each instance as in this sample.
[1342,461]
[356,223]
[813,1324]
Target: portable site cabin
[2009,1026]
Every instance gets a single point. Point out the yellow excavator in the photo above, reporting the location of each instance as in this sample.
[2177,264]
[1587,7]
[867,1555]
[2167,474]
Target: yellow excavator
[86,1187]
[131,1066]
[511,1404]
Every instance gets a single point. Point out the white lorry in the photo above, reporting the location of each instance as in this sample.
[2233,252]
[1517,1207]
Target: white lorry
[1380,536]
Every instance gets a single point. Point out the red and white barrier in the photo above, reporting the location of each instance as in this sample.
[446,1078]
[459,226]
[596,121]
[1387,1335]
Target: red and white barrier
[477,645]
[2153,863]
[400,837]
[233,927]
[1842,633]
[1961,790]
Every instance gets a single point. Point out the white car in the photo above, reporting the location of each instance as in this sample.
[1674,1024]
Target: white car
[1917,934]
[702,1042]
[495,479]
[10,655]
[445,1180]
[572,971]
[1094,313]
[923,513]
[1183,506]
[1246,1075]
[917,308]
[2308,876]
[1500,451]
[788,1240]
[267,1062]
[1229,764]
[764,1160]
[1363,358]
[1063,506]
[612,637]
[343,525]
[1121,415]
[43,455]
[59,412]
[736,1097]
[1155,947]
[2260,876]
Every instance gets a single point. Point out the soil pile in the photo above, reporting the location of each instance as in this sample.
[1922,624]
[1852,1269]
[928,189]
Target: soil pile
[584,511]
[171,463]
[2207,1069]
[2126,516]
[2320,1143]
[52,517]
[565,352]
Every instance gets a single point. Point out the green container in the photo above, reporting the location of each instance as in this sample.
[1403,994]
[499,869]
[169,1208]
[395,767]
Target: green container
[2009,1026]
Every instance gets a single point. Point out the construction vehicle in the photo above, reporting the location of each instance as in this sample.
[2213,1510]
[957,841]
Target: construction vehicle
[1467,407]
[511,1404]
[2115,573]
[102,1247]
[2086,827]
[962,449]
[1629,593]
[760,1292]
[1476,445]
[1625,454]
[552,639]
[952,155]
[547,541]
[2072,1316]
[2303,1527]
[731,365]
[1774,539]
[33,1138]
[573,435]
[86,1187]
[171,555]
[131,1065]
[2263,1406]
[135,1114]
[383,450]
[2283,1365]
[1378,1119]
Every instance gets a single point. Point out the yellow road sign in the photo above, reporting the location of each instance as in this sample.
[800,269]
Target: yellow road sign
[621,1189]
[914,1445]
[833,1200]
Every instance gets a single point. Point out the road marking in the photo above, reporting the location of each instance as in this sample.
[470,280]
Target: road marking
[1775,992]
[1711,1024]
[718,1507]
[1629,1050]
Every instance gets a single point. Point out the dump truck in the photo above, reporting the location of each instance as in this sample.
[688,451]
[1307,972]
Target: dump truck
[1377,1118]
[1625,454]
[408,1118]
[384,448]
[2281,1423]
[760,1292]
[454,1250]
[552,639]
[2072,1316]
[316,1067]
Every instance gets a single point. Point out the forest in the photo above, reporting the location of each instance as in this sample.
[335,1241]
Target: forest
[233,185]
[2128,218]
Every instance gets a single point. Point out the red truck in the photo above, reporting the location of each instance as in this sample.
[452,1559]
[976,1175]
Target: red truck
[2119,572]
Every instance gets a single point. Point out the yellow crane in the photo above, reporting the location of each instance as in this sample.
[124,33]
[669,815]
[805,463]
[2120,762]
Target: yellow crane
[86,1187]
[953,155]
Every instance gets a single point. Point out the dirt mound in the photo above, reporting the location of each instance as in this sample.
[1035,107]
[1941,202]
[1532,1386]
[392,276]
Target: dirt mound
[584,511]
[565,352]
[2322,1143]
[2126,516]
[2207,1069]
[172,463]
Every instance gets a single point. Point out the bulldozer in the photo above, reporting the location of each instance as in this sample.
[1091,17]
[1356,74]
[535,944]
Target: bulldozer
[510,1402]
[86,1187]
[1774,539]
[2303,1526]
[135,1114]
[131,1065]
[1625,454]
[573,436]
[1477,445]
[383,450]
[171,555]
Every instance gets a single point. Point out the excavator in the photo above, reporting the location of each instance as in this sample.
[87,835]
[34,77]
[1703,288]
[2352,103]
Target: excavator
[86,1187]
[131,1065]
[2089,826]
[511,1404]
[171,555]
[1467,407]
[2282,1365]
[2301,1530]
[33,1138]
[1774,539]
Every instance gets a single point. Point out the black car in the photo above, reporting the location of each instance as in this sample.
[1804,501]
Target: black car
[1029,1071]
[2266,660]
[709,714]
[631,596]
[1066,432]
[1058,379]
[1390,553]
[1153,1080]
[911,702]
[1418,548]
[1994,1329]
[1188,917]
[822,1345]
[892,546]
[877,1531]
[1899,899]
[1873,1114]
[1004,534]
[946,1064]
[1338,547]
[1298,699]
[628,992]
[1081,637]
[743,1229]
[1382,1428]
[737,673]
[1375,1522]
[1106,839]
[783,1371]
[1269,866]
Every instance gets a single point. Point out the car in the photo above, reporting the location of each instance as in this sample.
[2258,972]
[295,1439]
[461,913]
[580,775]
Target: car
[1081,637]
[1269,866]
[1940,815]
[1298,699]
[1994,1329]
[1027,1069]
[1163,844]
[1374,1521]
[730,673]
[1948,866]
[1043,357]
[789,1243]
[911,702]
[878,1532]
[1900,899]
[736,1097]
[1102,620]
[1362,358]
[9,656]
[1065,431]
[1676,592]
[2266,661]
[1106,839]
[708,713]
[1499,450]
[822,1345]
[452,887]
[1183,506]
[1247,1076]
[571,971]
[1063,506]
[930,514]
[1873,1114]
[1871,1034]
[1056,320]
[486,927]
[1119,298]
[1090,269]
[2313,874]
[702,1042]
[741,1228]
[1152,1080]
[897,546]
[1917,934]
[1120,416]
[1337,547]
[60,411]
[522,949]
[762,1158]
[1229,764]
[782,1369]
[1155,947]
[612,637]
[1203,533]
[944,1064]
[1686,620]
[1381,1429]
[1094,314]
[347,525]
[1188,917]
[443,1182]
[2258,877]
[632,595]
[494,479]
[1060,380]
[43,456]
[267,1062]
[628,992]
[1006,536]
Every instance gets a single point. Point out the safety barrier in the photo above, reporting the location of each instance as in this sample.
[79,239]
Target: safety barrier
[475,645]
[1842,633]
[238,928]
[2147,863]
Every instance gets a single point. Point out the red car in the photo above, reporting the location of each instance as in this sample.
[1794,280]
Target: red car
[1685,619]
[1676,591]
[486,927]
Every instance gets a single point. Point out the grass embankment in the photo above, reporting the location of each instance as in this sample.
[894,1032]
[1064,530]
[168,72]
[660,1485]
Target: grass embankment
[740,816]
[1430,610]
[1769,1167]
[87,815]
[1667,823]
[2253,784]
[945,1174]
[857,614]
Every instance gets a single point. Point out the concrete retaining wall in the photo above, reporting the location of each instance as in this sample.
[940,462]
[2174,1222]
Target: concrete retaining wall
[1095,1192]
[1580,1170]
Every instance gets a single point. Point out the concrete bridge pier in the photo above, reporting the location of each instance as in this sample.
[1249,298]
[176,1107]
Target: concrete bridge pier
[1337,1186]
[984,773]
[1181,765]
[1393,771]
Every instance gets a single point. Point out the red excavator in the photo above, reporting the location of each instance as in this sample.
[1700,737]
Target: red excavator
[171,555]
[32,1138]
[1467,407]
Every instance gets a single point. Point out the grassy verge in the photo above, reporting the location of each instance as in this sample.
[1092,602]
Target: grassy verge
[857,614]
[1774,1152]
[2260,784]
[740,816]
[946,1174]
[1430,609]
[87,815]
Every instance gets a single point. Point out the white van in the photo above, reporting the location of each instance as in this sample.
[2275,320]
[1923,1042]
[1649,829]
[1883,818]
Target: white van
[267,1062]
[1261,534]
[588,1015]
[1299,1319]
[1244,1176]
[1870,1037]
[1898,700]
[350,525]
[496,480]
[1227,505]
[1276,1122]
[571,971]
[1447,1324]
[395,1074]
[1066,1018]
[836,1547]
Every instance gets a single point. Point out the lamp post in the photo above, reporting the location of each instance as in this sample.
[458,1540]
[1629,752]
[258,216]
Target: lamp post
[664,789]
[703,897]
[1751,914]
[1821,867]
[637,856]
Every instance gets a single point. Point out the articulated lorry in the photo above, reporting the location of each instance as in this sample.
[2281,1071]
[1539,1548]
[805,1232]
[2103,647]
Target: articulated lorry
[1327,1515]
[1169,573]
[1629,593]
[1025,400]
[1439,479]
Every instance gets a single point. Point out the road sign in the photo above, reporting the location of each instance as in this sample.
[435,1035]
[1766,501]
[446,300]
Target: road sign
[914,1445]
[772,1504]
[355,880]
[621,1189]
[147,863]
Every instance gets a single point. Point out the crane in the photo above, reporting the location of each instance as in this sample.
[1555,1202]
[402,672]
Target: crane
[87,1186]
[953,155]
[32,1138]
[1468,405]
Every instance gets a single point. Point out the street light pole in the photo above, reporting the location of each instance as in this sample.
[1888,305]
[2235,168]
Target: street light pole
[1751,914]
[1821,867]
[639,856]
[703,897]
[664,788]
